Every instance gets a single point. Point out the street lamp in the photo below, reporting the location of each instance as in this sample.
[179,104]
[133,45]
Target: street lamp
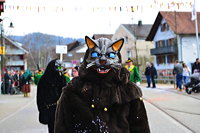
[3,49]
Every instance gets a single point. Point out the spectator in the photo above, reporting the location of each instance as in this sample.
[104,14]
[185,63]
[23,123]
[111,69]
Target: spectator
[17,78]
[20,81]
[75,71]
[153,73]
[178,71]
[13,89]
[67,76]
[147,74]
[186,73]
[7,82]
[37,76]
[134,73]
[196,66]
[25,82]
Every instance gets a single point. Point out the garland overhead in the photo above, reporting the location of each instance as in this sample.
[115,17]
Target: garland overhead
[96,5]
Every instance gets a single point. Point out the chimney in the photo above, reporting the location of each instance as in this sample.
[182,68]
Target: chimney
[140,23]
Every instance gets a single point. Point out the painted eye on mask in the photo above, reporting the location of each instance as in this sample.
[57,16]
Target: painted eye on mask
[111,55]
[59,67]
[94,54]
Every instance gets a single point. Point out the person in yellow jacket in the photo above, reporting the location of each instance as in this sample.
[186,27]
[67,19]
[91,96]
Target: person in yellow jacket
[67,76]
[134,73]
[37,76]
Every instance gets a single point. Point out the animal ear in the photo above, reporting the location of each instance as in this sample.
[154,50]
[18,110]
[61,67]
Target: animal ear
[118,44]
[89,42]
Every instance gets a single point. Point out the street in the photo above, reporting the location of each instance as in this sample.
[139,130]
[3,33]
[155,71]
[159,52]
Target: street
[20,115]
[172,111]
[169,111]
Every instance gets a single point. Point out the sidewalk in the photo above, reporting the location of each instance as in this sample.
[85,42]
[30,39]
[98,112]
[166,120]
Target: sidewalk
[13,103]
[171,88]
[160,86]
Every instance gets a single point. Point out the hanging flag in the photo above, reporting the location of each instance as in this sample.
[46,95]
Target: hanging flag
[182,4]
[173,3]
[191,4]
[115,8]
[194,13]
[132,9]
[178,5]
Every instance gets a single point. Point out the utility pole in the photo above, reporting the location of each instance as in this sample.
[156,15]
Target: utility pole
[2,52]
[194,17]
[2,48]
[196,27]
[136,53]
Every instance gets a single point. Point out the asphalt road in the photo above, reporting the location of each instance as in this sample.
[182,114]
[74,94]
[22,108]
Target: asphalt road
[19,114]
[182,111]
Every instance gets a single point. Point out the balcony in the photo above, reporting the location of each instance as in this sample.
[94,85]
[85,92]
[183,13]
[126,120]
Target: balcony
[15,63]
[164,50]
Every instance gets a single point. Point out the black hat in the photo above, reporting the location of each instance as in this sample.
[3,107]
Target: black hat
[76,67]
[129,60]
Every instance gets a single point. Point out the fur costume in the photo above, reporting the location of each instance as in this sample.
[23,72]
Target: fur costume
[48,92]
[101,99]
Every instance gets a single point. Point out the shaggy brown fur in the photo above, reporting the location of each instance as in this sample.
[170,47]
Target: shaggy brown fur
[96,103]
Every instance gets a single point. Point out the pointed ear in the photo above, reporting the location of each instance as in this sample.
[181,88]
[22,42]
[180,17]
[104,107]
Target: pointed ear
[118,45]
[89,42]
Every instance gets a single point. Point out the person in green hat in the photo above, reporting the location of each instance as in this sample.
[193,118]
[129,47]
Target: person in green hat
[37,76]
[26,79]
[66,75]
[134,73]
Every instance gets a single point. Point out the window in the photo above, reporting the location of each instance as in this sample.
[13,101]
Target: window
[126,40]
[167,43]
[159,44]
[160,59]
[172,41]
[164,27]
[129,54]
[171,58]
[163,43]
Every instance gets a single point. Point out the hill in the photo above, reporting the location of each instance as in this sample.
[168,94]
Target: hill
[38,40]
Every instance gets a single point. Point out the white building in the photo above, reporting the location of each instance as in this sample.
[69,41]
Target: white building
[173,34]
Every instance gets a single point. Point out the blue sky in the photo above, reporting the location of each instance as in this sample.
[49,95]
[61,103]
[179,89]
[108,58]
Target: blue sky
[77,18]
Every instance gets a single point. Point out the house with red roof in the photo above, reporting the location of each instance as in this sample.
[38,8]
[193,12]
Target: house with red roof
[174,37]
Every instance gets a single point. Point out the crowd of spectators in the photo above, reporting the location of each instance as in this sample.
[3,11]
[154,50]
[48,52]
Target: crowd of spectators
[12,81]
